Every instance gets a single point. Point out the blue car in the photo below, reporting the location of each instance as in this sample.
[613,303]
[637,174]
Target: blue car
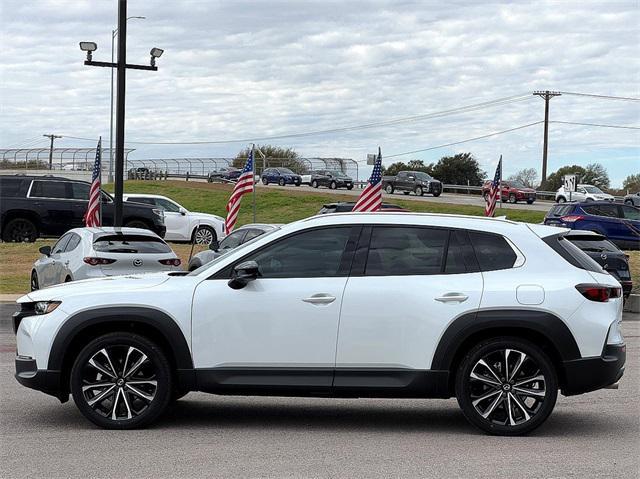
[619,223]
[280,176]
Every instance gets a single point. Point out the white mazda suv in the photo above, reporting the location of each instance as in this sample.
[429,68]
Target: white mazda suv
[500,315]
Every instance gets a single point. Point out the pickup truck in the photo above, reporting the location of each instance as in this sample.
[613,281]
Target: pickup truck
[417,182]
[37,206]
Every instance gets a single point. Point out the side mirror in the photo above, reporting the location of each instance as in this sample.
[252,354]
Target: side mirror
[243,274]
[412,178]
[45,250]
[183,212]
[214,245]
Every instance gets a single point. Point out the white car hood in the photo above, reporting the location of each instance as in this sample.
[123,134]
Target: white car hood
[97,286]
[204,217]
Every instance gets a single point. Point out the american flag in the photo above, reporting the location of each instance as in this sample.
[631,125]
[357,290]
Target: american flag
[494,190]
[92,216]
[371,197]
[243,186]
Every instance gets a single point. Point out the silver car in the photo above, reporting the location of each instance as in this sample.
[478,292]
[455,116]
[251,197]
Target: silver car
[632,199]
[83,253]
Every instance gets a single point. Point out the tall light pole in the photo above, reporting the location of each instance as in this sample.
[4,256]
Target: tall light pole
[113,37]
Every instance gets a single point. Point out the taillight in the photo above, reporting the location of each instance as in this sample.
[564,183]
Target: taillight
[598,293]
[93,261]
[170,262]
[571,218]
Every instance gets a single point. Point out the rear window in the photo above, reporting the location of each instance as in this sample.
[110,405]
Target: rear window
[594,245]
[14,187]
[130,244]
[492,251]
[560,210]
[572,254]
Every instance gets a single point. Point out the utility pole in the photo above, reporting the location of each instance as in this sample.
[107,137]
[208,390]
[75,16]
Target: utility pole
[52,137]
[547,95]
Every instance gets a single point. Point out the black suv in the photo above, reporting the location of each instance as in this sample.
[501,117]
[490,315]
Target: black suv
[331,178]
[34,206]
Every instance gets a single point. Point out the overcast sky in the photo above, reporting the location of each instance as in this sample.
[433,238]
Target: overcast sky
[253,69]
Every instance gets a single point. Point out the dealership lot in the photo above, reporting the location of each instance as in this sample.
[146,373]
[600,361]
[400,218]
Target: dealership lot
[594,435]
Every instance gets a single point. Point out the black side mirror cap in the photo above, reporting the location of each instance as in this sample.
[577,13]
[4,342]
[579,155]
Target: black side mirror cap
[243,274]
[45,250]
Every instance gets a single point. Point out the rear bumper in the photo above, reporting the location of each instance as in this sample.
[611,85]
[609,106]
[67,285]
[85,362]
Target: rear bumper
[48,382]
[589,374]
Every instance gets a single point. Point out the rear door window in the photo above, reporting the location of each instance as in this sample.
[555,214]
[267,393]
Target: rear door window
[50,189]
[14,187]
[130,244]
[492,251]
[609,211]
[630,213]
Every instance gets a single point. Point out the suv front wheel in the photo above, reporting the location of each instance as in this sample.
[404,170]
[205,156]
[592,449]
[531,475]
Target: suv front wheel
[506,386]
[121,381]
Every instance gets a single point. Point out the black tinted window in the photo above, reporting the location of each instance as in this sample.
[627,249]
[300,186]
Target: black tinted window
[610,211]
[562,210]
[80,191]
[14,187]
[252,233]
[61,245]
[630,212]
[73,243]
[49,189]
[397,251]
[312,254]
[457,254]
[492,251]
[146,201]
[130,244]
[233,240]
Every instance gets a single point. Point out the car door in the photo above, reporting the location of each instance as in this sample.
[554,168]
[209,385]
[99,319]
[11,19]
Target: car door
[176,221]
[406,286]
[281,328]
[52,271]
[68,257]
[53,199]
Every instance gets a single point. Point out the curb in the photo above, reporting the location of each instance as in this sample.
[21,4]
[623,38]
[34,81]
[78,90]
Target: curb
[9,298]
[632,304]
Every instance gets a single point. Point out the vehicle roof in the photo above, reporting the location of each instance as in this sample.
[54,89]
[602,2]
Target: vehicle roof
[41,177]
[112,230]
[263,226]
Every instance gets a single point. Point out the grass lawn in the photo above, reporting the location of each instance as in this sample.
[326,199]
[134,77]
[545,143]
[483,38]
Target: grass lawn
[273,206]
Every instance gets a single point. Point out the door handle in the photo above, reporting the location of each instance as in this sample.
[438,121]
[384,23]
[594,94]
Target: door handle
[452,298]
[320,298]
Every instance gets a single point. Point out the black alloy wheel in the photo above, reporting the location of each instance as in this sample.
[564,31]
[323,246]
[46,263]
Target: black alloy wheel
[506,386]
[20,230]
[265,181]
[281,182]
[121,381]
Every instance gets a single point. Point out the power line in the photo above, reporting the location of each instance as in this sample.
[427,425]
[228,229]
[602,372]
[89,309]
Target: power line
[596,124]
[463,141]
[604,97]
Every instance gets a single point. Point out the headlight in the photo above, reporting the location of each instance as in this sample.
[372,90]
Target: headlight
[46,307]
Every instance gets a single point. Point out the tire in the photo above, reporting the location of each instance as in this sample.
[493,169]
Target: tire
[389,188]
[121,407]
[350,187]
[419,191]
[20,230]
[35,284]
[333,185]
[530,202]
[513,199]
[435,195]
[314,184]
[506,410]
[137,224]
[486,197]
[265,181]
[297,183]
[281,182]
[561,199]
[628,202]
[204,235]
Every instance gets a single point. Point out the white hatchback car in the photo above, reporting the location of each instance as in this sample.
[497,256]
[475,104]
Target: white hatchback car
[83,253]
[343,305]
[182,224]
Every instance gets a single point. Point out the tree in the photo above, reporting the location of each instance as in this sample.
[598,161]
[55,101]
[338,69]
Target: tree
[527,177]
[632,183]
[459,169]
[413,165]
[276,156]
[596,175]
[555,180]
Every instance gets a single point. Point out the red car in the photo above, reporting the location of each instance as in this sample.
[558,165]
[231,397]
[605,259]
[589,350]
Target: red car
[511,191]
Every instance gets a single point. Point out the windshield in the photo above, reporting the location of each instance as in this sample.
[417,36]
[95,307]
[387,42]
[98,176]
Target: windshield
[517,184]
[423,176]
[338,174]
[593,189]
[205,266]
[286,171]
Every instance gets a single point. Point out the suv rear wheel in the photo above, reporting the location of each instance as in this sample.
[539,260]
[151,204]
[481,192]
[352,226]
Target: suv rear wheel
[561,199]
[121,381]
[506,386]
[512,198]
[137,224]
[20,230]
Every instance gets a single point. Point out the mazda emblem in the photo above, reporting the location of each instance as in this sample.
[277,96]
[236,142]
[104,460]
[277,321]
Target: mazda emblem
[603,257]
[137,262]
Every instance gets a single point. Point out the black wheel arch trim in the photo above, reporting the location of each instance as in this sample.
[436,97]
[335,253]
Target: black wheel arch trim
[146,316]
[543,323]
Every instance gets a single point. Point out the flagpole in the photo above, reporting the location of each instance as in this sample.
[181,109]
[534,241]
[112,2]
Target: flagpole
[253,179]
[500,184]
[100,178]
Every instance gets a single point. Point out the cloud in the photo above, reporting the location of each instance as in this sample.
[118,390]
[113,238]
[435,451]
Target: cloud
[247,69]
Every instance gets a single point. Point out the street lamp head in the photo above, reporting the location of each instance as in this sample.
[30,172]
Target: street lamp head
[88,47]
[155,53]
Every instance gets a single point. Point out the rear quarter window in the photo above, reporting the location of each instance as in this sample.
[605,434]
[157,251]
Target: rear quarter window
[130,244]
[493,252]
[560,210]
[14,187]
[572,254]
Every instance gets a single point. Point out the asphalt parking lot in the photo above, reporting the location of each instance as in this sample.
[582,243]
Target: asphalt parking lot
[593,435]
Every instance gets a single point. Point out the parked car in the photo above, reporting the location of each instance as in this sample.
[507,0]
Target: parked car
[347,206]
[280,176]
[37,206]
[332,179]
[582,193]
[306,179]
[304,311]
[618,223]
[417,182]
[511,191]
[228,173]
[182,224]
[233,240]
[632,199]
[84,253]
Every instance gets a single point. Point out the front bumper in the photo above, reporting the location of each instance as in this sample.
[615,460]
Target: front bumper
[589,374]
[48,382]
